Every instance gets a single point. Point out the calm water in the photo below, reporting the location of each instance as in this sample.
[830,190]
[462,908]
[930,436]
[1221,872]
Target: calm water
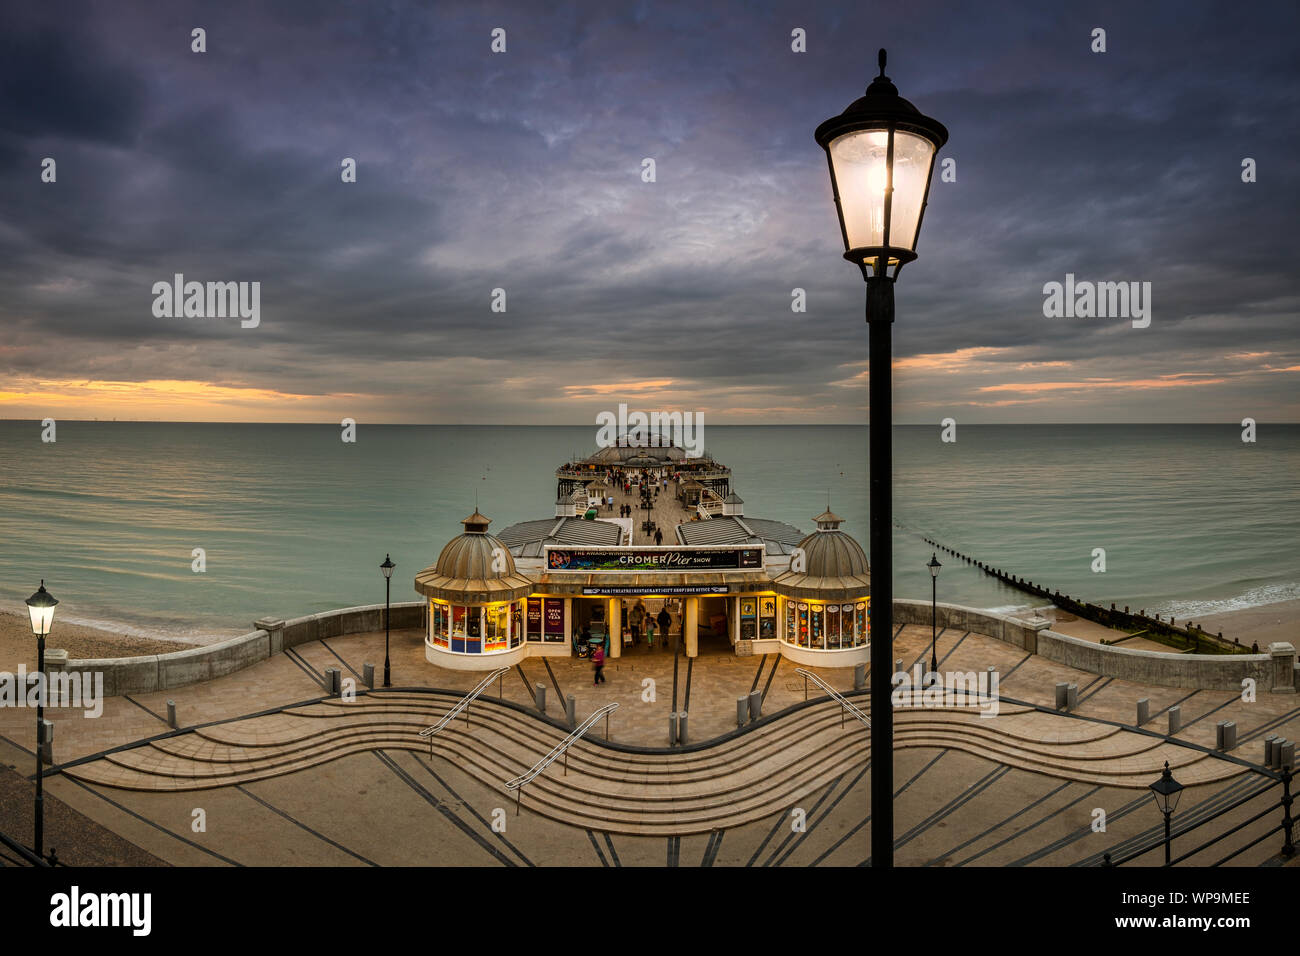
[293,520]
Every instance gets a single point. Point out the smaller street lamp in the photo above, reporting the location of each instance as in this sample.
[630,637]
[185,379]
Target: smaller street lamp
[1166,791]
[41,608]
[387,568]
[934,567]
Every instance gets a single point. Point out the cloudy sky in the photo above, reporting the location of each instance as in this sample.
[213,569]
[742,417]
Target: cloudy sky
[522,171]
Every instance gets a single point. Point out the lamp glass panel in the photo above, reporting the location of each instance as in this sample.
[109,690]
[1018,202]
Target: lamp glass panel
[859,159]
[41,618]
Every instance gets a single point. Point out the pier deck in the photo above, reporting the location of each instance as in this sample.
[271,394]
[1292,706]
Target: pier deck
[667,513]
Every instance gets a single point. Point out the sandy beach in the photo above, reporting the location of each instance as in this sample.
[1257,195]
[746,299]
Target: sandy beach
[1262,625]
[18,646]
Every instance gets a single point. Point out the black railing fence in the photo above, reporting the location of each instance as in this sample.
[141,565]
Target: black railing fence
[1278,789]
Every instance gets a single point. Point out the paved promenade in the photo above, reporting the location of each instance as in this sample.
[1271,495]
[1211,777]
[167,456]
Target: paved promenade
[1019,788]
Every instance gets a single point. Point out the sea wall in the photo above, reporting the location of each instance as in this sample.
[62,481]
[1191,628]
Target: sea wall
[1273,671]
[142,675]
[1008,629]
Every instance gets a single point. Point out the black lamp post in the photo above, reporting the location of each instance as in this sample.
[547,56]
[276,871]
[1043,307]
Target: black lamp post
[1167,790]
[934,567]
[387,568]
[881,154]
[41,608]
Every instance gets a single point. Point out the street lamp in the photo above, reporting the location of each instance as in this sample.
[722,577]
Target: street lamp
[934,567]
[387,568]
[1166,790]
[41,608]
[881,155]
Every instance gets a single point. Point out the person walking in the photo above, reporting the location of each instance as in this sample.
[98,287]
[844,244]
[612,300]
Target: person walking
[649,632]
[636,617]
[659,536]
[598,661]
[665,623]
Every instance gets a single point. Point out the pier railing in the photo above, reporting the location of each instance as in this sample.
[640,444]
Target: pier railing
[560,750]
[710,503]
[462,705]
[846,705]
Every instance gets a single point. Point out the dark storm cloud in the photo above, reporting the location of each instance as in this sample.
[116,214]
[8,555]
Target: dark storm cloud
[522,171]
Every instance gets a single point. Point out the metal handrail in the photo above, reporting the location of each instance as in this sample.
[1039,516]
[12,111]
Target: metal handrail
[462,704]
[27,855]
[845,703]
[560,749]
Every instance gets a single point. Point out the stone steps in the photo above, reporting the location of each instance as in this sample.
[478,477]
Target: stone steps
[745,778]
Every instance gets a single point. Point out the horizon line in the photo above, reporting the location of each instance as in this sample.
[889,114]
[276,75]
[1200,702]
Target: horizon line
[331,424]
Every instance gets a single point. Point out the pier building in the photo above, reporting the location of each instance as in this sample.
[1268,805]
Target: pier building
[642,531]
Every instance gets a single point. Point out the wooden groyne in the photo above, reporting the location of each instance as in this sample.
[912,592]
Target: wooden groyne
[1186,637]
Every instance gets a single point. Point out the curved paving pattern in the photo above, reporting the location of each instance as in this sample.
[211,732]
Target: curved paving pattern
[726,785]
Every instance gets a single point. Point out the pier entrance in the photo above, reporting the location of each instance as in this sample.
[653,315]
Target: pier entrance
[696,624]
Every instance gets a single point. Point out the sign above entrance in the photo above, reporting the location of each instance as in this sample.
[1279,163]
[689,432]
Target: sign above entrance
[647,591]
[653,559]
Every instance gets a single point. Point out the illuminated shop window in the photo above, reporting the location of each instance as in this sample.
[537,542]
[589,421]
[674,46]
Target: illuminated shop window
[475,629]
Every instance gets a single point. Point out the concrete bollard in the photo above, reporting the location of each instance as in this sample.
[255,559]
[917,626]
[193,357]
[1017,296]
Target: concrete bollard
[539,696]
[171,714]
[1287,759]
[1144,710]
[1229,735]
[368,675]
[681,728]
[332,681]
[1072,697]
[755,705]
[1277,752]
[742,711]
[1218,735]
[1062,695]
[898,666]
[859,676]
[672,729]
[571,710]
[1269,741]
[46,742]
[1175,719]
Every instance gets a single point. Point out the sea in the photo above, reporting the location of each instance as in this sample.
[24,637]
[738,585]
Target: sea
[291,519]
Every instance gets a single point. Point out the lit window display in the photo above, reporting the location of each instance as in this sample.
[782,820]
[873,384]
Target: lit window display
[533,621]
[475,629]
[826,626]
[766,618]
[438,624]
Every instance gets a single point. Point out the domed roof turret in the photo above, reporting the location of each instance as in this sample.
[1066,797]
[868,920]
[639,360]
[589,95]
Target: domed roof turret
[828,564]
[474,568]
[644,455]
